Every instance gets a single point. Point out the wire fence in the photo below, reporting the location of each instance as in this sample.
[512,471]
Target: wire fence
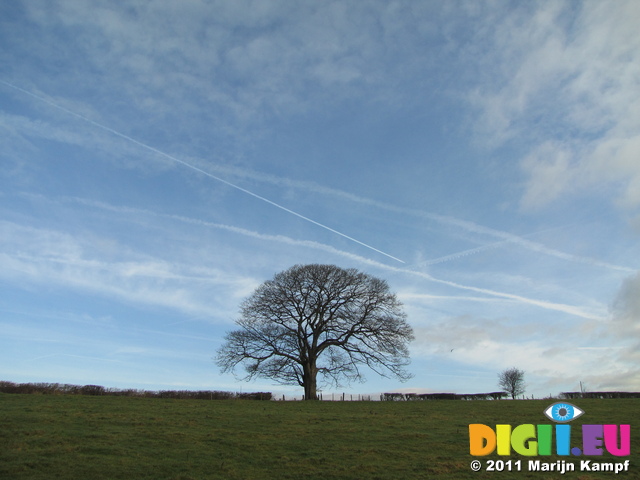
[332,397]
[395,397]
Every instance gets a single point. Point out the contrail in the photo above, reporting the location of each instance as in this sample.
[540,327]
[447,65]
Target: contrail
[70,355]
[561,307]
[503,296]
[455,256]
[548,305]
[193,167]
[522,241]
[506,238]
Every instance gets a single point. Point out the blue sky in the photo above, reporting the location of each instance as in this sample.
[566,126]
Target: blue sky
[161,160]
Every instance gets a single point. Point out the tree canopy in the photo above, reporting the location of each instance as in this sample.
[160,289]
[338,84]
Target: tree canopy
[512,381]
[322,320]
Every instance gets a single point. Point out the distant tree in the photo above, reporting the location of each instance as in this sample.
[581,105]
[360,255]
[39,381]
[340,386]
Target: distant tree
[583,389]
[511,381]
[319,319]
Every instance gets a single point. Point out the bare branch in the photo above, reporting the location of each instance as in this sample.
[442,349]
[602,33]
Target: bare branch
[319,319]
[512,381]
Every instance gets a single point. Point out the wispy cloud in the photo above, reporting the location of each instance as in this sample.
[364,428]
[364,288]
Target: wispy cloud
[518,240]
[45,257]
[83,357]
[288,56]
[468,226]
[60,256]
[560,307]
[506,238]
[199,170]
[572,310]
[573,69]
[550,170]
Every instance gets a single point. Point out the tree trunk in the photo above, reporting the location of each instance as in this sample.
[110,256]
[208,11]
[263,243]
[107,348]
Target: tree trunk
[309,377]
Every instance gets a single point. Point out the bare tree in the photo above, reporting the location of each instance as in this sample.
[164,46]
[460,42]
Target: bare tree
[319,319]
[512,381]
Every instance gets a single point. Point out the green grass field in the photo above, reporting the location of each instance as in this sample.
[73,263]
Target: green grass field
[84,437]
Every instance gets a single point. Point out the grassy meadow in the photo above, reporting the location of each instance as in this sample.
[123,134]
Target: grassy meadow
[106,437]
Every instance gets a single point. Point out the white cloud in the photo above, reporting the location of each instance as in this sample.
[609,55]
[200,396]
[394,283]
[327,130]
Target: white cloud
[548,186]
[552,357]
[570,87]
[592,312]
[51,260]
[550,175]
[626,309]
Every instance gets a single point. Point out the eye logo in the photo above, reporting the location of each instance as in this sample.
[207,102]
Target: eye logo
[563,412]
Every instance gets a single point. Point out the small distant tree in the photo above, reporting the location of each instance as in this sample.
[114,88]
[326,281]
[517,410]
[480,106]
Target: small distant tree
[583,389]
[511,381]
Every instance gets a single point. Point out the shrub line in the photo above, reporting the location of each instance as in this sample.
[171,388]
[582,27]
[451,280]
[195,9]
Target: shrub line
[67,389]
